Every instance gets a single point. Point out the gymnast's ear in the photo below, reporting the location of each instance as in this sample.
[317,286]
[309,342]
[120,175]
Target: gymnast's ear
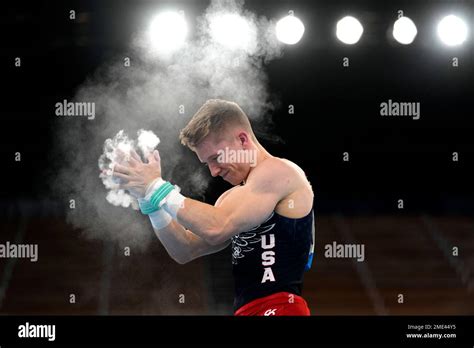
[244,138]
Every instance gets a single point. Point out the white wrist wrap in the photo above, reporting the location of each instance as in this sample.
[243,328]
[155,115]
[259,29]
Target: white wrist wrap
[152,187]
[173,202]
[160,219]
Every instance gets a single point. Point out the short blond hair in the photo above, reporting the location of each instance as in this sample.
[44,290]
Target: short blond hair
[216,116]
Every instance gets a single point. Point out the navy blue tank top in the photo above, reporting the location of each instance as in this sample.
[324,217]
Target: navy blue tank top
[272,257]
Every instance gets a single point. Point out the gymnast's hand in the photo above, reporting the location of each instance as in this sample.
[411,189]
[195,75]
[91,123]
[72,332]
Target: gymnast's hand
[136,175]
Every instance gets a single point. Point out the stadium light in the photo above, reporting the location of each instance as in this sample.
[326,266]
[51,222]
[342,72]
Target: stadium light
[168,31]
[289,29]
[452,30]
[404,30]
[233,31]
[349,30]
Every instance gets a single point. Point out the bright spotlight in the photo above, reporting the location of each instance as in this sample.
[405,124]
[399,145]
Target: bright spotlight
[404,30]
[289,29]
[233,31]
[168,30]
[349,30]
[452,30]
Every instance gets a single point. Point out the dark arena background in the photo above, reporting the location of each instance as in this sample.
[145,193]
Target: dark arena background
[400,186]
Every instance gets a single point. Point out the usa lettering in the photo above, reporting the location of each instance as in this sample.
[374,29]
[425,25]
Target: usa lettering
[268,257]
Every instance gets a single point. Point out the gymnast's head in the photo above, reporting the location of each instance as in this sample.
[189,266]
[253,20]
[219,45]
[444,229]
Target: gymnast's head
[221,135]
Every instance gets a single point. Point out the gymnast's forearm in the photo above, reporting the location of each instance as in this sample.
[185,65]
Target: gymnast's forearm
[205,220]
[182,245]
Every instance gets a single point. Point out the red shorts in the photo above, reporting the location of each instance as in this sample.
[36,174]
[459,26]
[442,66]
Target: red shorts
[280,303]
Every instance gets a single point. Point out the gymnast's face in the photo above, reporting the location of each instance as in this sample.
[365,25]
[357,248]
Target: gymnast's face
[222,155]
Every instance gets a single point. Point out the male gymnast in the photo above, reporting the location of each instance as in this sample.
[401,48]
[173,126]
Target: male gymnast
[267,216]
